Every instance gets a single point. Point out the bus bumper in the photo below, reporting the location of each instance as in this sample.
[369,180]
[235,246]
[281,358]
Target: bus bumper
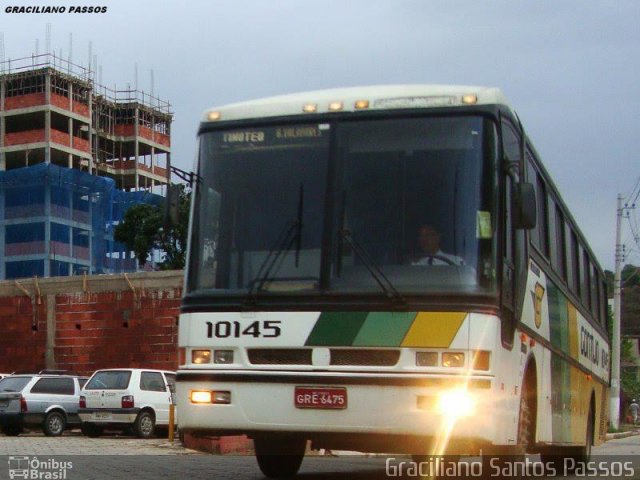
[411,407]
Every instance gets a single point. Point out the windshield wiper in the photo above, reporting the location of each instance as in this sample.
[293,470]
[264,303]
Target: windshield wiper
[291,233]
[376,272]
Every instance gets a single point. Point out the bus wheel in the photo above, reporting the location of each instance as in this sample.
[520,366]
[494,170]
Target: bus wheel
[583,454]
[567,459]
[526,416]
[279,457]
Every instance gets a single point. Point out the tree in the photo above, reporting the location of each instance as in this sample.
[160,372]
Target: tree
[173,238]
[142,230]
[138,230]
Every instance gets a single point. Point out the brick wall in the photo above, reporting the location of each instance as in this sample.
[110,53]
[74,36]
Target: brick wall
[23,339]
[90,328]
[24,137]
[117,329]
[82,324]
[24,101]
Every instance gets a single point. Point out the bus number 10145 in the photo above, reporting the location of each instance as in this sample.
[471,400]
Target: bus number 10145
[257,329]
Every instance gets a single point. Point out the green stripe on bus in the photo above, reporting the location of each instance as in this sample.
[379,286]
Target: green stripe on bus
[336,329]
[560,400]
[558,318]
[384,329]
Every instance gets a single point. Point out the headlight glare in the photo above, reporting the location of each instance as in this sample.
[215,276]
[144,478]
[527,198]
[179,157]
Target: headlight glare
[456,403]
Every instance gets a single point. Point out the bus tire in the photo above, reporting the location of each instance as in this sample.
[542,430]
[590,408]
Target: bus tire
[279,457]
[503,459]
[527,414]
[561,458]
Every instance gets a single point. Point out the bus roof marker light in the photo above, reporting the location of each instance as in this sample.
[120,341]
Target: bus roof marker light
[335,106]
[361,104]
[470,99]
[310,108]
[214,116]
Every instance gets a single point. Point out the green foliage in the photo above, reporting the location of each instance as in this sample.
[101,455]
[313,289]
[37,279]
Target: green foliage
[142,230]
[138,230]
[174,239]
[628,374]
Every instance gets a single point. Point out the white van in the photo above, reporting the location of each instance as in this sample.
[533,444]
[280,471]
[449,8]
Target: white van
[124,397]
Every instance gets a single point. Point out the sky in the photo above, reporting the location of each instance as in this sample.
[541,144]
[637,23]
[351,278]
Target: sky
[569,68]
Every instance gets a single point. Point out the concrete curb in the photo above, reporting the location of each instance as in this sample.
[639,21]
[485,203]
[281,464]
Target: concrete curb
[612,436]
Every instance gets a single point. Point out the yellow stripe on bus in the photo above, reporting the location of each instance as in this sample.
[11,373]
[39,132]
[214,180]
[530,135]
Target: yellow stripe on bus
[434,329]
[573,331]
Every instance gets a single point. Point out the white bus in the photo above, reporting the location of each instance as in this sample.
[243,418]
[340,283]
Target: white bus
[387,269]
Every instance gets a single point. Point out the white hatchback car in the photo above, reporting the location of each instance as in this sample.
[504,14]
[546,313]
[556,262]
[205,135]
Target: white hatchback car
[126,397]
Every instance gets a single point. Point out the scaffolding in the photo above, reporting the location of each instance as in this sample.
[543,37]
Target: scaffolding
[76,145]
[52,111]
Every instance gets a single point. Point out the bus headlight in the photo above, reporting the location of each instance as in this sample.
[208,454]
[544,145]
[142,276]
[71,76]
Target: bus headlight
[427,359]
[453,359]
[201,356]
[480,360]
[456,403]
[208,397]
[223,356]
[198,396]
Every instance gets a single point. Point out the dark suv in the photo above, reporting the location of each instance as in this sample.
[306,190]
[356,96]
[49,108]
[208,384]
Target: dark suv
[46,401]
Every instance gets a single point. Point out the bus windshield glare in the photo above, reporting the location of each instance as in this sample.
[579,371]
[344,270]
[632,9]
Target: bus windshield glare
[348,207]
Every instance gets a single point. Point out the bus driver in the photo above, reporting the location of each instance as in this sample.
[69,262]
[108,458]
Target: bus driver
[430,253]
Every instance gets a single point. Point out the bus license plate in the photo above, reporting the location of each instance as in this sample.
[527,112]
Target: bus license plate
[321,397]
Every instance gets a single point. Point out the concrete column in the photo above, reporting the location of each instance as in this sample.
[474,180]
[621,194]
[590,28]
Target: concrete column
[2,236]
[70,130]
[137,147]
[47,118]
[3,119]
[90,231]
[92,152]
[49,356]
[47,228]
[153,166]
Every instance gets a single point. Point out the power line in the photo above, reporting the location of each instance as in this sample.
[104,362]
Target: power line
[633,190]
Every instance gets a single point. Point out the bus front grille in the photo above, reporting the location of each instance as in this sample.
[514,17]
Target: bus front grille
[280,356]
[367,357]
[339,356]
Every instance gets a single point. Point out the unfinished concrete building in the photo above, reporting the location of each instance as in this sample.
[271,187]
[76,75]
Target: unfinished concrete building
[73,156]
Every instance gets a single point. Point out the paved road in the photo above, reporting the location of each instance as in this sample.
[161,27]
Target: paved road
[74,457]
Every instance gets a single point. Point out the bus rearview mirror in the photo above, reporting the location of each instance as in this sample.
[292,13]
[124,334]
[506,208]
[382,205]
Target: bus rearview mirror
[172,205]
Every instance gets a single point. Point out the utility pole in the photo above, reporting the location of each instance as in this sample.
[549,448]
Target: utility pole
[614,407]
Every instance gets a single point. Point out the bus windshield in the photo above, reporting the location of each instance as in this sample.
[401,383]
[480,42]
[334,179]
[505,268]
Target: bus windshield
[347,207]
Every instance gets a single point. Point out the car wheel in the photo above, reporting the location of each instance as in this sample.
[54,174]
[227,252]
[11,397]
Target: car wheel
[145,425]
[54,424]
[91,430]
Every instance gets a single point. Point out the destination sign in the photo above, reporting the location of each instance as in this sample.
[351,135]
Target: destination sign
[273,137]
